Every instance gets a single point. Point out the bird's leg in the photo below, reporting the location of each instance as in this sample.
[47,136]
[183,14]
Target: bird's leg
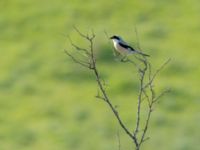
[124,59]
[117,54]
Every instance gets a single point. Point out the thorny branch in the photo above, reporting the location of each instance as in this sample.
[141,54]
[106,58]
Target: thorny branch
[146,90]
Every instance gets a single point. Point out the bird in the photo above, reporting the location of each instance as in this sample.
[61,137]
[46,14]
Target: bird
[123,48]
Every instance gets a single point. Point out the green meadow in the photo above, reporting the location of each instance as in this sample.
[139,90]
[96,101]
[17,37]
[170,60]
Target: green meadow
[47,102]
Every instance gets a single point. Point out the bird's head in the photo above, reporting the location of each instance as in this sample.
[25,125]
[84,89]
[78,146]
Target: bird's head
[115,37]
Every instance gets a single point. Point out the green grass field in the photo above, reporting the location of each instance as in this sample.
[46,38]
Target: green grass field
[48,103]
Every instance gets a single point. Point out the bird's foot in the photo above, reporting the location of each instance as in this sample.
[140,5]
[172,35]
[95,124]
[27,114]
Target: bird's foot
[124,59]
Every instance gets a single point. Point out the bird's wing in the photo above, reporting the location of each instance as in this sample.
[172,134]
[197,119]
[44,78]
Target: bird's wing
[124,45]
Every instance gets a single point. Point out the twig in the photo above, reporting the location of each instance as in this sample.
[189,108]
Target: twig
[118,139]
[146,90]
[93,66]
[131,61]
[78,48]
[107,36]
[146,124]
[84,64]
[156,73]
[161,94]
[137,38]
[142,72]
[153,98]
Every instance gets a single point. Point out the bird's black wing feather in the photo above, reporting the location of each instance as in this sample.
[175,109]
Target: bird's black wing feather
[126,46]
[132,49]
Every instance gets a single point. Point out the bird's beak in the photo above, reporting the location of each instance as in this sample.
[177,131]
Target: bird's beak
[111,37]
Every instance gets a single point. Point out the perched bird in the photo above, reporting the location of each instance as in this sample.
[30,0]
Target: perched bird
[123,48]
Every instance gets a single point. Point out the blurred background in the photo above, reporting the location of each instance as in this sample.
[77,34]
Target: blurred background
[48,102]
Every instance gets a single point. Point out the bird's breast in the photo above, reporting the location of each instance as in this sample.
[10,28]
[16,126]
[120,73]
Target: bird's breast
[119,48]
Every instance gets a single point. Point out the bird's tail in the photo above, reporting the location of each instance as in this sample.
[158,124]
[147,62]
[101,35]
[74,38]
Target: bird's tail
[143,54]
